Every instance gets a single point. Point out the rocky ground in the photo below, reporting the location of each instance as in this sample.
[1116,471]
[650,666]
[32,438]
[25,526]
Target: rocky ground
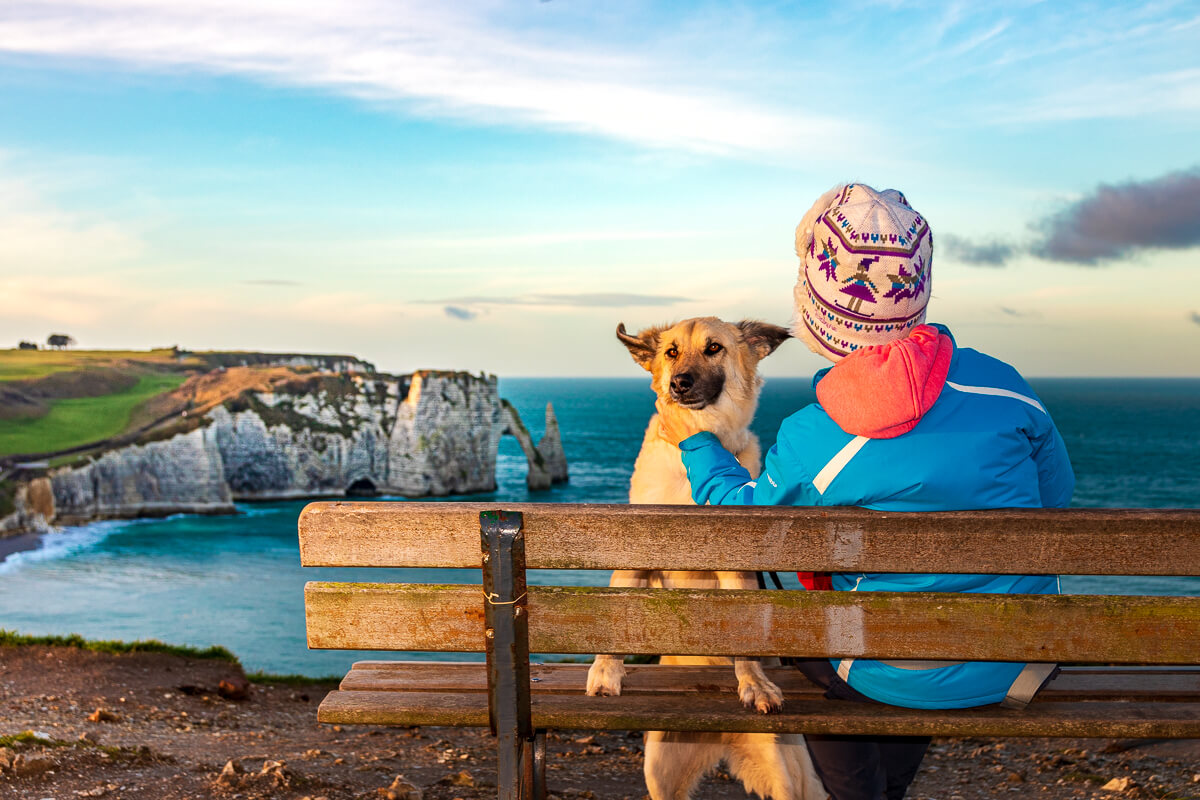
[77,724]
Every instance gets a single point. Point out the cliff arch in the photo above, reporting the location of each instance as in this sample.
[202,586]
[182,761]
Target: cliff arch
[363,487]
[547,461]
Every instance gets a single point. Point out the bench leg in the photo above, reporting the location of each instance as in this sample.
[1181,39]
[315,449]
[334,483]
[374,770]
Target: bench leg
[538,767]
[506,632]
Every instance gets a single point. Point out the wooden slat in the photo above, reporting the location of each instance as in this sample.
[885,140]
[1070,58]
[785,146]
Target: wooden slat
[725,713]
[565,536]
[900,625]
[1127,683]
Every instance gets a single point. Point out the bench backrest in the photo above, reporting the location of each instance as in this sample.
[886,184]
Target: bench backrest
[909,625]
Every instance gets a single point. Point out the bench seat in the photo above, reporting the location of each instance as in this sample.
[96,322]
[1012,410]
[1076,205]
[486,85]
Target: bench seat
[1080,702]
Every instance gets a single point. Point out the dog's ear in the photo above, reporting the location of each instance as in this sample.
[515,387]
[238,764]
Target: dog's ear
[643,346]
[763,337]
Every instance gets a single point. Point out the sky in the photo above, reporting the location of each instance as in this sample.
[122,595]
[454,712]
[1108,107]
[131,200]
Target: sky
[493,186]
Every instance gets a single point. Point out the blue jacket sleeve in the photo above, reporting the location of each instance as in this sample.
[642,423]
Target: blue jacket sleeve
[1056,478]
[718,479]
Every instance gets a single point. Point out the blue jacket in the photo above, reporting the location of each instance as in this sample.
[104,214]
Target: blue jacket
[985,442]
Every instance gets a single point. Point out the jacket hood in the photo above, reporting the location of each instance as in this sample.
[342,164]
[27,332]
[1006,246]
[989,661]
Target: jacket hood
[883,391]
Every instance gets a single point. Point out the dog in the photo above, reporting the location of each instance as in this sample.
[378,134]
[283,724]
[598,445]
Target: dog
[706,368]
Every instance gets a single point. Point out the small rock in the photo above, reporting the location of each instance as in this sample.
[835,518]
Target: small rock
[309,755]
[459,779]
[26,766]
[103,715]
[234,688]
[91,737]
[401,789]
[231,774]
[1117,785]
[585,740]
[277,773]
[6,758]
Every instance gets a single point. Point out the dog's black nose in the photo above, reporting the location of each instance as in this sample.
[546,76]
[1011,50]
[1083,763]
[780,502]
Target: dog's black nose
[682,382]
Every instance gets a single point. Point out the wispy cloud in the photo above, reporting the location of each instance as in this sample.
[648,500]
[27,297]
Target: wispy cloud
[992,253]
[458,312]
[1116,221]
[544,239]
[1140,96]
[442,59]
[1195,317]
[583,300]
[272,282]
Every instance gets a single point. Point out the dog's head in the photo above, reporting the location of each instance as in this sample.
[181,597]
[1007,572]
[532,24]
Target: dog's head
[704,362]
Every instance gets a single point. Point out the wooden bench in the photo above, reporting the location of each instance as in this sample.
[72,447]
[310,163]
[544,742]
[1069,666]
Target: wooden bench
[1136,656]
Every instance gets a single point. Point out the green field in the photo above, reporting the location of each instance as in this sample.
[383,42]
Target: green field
[16,365]
[77,421]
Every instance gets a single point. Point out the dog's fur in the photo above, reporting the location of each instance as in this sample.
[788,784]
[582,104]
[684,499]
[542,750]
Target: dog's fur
[708,369]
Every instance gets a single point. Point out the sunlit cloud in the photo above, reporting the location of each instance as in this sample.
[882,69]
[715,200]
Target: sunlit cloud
[993,253]
[468,241]
[1117,220]
[458,312]
[583,299]
[442,59]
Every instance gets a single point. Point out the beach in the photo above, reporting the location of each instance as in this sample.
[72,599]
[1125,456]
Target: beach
[18,543]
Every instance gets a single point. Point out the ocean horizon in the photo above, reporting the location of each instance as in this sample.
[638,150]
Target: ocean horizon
[235,580]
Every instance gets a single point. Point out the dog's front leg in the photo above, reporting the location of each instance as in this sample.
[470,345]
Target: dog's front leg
[607,671]
[755,689]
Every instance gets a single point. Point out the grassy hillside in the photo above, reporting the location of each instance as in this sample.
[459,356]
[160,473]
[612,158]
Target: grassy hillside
[16,365]
[76,421]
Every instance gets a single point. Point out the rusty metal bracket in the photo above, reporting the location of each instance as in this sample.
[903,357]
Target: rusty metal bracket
[506,632]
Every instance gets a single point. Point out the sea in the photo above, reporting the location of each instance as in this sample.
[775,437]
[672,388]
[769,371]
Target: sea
[236,580]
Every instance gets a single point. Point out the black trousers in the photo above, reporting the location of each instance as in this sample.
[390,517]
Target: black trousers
[859,767]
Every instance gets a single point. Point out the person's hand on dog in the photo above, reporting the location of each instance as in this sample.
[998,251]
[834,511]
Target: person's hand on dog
[674,428]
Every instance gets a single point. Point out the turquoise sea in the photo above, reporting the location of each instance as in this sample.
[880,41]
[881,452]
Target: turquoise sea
[236,580]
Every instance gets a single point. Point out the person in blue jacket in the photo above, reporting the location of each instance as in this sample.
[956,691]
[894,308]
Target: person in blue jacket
[905,420]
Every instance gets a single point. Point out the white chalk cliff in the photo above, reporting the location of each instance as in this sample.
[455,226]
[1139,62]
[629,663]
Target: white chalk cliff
[420,435]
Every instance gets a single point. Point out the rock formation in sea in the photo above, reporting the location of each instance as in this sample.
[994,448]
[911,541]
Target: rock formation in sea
[318,435]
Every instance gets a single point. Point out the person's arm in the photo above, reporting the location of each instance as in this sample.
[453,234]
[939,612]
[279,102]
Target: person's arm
[718,479]
[1056,478]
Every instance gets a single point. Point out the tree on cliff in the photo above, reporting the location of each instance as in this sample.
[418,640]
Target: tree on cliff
[60,340]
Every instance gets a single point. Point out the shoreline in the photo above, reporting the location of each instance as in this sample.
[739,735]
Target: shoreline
[19,543]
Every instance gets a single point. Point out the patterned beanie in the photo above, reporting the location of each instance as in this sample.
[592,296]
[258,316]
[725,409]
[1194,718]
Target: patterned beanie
[865,262]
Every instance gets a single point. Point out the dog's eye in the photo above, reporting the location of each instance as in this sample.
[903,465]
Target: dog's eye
[672,352]
[713,348]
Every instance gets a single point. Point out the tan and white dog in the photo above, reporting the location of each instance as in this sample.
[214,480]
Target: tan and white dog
[706,368]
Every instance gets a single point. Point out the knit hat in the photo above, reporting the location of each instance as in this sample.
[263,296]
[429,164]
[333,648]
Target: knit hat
[865,263]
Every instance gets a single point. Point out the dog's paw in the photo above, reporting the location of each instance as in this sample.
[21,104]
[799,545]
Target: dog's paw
[605,676]
[761,695]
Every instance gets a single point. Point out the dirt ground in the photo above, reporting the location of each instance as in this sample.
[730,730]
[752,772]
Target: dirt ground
[154,727]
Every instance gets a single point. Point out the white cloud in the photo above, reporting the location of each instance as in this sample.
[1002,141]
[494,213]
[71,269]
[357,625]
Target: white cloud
[449,59]
[1106,98]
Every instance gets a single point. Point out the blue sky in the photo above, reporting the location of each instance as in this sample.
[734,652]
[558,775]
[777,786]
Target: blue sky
[493,186]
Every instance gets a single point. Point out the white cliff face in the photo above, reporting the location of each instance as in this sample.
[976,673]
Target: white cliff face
[181,474]
[432,433]
[446,436]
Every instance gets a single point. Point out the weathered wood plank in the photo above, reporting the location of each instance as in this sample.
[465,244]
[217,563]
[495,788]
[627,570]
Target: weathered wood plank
[725,713]
[904,625]
[567,536]
[1128,683]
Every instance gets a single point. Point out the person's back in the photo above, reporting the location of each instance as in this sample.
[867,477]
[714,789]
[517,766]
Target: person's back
[905,421]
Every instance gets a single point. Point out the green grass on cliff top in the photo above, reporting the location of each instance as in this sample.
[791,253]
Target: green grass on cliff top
[18,365]
[76,421]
